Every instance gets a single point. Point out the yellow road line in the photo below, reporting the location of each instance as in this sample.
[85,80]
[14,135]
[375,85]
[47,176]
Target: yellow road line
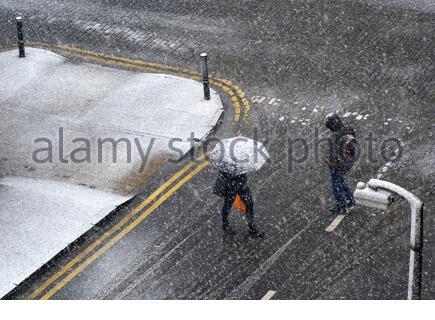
[145,66]
[125,231]
[116,227]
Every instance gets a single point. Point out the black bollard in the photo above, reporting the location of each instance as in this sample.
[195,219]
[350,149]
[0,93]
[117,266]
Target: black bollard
[205,76]
[20,34]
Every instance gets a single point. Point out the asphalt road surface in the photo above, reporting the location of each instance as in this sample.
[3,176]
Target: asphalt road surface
[372,61]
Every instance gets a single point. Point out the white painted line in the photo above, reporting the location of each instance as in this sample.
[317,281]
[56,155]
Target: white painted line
[354,113]
[384,169]
[303,123]
[347,114]
[335,223]
[359,117]
[389,119]
[272,101]
[269,295]
[292,121]
[261,99]
[379,176]
[304,108]
[315,110]
[366,116]
[277,102]
[386,123]
[281,118]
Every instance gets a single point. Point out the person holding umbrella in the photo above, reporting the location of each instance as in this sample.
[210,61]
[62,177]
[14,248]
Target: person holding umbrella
[234,158]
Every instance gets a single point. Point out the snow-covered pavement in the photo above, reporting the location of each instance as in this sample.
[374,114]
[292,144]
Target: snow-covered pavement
[76,140]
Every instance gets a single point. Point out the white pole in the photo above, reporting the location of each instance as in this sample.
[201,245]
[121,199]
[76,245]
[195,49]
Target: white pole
[416,237]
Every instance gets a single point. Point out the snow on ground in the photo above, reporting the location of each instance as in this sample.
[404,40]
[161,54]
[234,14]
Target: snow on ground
[46,206]
[44,94]
[35,228]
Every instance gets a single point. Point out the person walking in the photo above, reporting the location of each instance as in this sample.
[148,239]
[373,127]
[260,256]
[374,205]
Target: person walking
[229,186]
[341,156]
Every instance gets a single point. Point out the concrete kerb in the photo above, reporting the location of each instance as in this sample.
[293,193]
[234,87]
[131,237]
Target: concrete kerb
[240,103]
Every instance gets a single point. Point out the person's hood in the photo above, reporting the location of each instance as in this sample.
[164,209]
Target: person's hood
[333,122]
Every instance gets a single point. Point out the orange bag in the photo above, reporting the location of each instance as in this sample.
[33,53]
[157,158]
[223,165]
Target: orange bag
[240,204]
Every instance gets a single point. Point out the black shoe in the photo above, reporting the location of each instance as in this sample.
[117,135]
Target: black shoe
[256,233]
[338,210]
[351,203]
[229,231]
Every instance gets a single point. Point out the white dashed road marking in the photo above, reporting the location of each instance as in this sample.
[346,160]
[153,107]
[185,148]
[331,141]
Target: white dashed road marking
[269,295]
[261,99]
[335,223]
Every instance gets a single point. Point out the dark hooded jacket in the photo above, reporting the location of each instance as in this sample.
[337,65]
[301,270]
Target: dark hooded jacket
[335,152]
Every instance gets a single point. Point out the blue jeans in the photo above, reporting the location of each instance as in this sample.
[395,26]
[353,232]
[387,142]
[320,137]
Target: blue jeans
[340,188]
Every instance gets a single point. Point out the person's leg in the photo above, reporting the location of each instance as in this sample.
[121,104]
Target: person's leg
[247,198]
[229,200]
[337,188]
[348,192]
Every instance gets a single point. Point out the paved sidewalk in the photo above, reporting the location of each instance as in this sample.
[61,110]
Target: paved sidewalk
[68,106]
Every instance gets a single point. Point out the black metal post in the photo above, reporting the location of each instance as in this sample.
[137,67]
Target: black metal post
[20,34]
[205,81]
[416,257]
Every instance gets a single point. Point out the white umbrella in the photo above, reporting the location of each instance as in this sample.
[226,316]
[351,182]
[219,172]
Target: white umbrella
[238,155]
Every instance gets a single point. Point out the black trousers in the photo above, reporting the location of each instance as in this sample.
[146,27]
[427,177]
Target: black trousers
[229,200]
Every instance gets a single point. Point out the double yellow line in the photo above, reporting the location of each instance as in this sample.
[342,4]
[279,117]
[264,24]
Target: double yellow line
[63,276]
[118,231]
